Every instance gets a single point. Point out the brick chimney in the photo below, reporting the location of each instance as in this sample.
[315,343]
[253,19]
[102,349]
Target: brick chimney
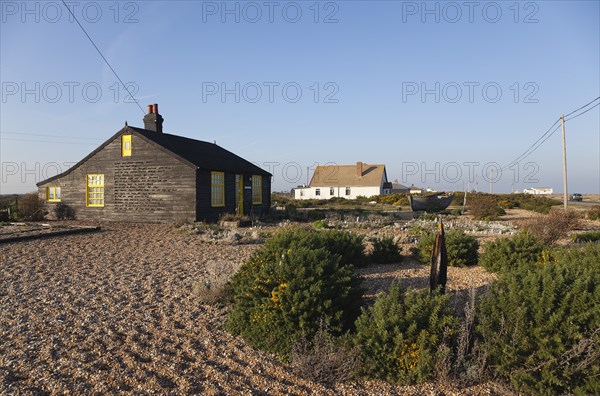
[359,169]
[153,121]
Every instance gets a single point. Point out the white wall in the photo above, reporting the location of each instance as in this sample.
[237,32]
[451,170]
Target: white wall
[538,191]
[311,192]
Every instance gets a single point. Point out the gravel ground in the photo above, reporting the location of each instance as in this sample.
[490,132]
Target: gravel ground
[114,312]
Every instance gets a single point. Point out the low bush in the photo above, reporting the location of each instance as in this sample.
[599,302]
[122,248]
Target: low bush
[316,215]
[319,224]
[393,199]
[540,327]
[456,212]
[385,251]
[214,288]
[593,213]
[535,203]
[325,358]
[485,207]
[462,248]
[347,245]
[31,207]
[590,236]
[296,280]
[553,226]
[401,333]
[64,212]
[505,254]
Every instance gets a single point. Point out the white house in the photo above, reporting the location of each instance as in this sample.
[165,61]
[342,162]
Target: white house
[539,190]
[346,181]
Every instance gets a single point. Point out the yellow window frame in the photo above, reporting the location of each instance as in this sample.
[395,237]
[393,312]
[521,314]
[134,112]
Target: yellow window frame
[126,145]
[94,191]
[53,194]
[217,189]
[256,190]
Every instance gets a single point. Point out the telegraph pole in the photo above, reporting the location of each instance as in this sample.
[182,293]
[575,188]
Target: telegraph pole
[564,154]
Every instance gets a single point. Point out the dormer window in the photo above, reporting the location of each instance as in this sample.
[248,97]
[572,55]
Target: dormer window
[126,146]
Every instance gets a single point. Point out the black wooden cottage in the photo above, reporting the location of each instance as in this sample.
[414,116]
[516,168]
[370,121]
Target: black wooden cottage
[146,175]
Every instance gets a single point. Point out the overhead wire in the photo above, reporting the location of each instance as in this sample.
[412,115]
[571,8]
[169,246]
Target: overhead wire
[103,57]
[46,141]
[527,152]
[585,105]
[549,132]
[583,112]
[52,136]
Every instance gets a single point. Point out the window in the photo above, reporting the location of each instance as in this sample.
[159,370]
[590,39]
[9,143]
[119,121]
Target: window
[126,146]
[95,191]
[347,190]
[256,190]
[318,191]
[331,191]
[53,194]
[217,189]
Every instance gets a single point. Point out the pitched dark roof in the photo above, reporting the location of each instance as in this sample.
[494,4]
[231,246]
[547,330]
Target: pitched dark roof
[204,155]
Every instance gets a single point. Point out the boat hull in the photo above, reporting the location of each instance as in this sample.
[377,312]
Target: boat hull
[433,203]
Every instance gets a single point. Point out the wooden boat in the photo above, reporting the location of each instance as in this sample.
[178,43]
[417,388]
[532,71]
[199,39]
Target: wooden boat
[430,203]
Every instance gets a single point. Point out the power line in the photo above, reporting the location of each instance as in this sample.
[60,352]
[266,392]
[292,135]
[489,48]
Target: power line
[105,60]
[583,112]
[546,135]
[586,105]
[54,136]
[538,145]
[526,153]
[45,141]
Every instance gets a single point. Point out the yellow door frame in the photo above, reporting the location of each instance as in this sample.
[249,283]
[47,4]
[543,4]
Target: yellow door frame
[239,196]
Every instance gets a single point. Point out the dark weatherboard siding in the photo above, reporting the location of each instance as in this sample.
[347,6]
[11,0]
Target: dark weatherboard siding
[149,186]
[206,212]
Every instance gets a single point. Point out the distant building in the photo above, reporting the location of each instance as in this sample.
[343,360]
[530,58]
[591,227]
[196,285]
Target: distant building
[398,188]
[539,190]
[415,190]
[346,181]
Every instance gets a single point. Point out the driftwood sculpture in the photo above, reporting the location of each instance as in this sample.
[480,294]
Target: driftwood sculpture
[439,261]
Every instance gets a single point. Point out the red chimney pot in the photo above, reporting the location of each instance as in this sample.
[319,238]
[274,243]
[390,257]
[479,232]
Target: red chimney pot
[149,109]
[155,108]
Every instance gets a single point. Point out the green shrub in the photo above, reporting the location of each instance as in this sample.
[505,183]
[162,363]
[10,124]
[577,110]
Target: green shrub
[316,215]
[297,280]
[347,245]
[590,236]
[456,212]
[540,327]
[505,254]
[462,248]
[385,251]
[427,216]
[400,334]
[319,224]
[396,199]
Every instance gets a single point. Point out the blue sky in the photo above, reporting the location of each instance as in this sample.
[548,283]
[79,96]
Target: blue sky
[436,90]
